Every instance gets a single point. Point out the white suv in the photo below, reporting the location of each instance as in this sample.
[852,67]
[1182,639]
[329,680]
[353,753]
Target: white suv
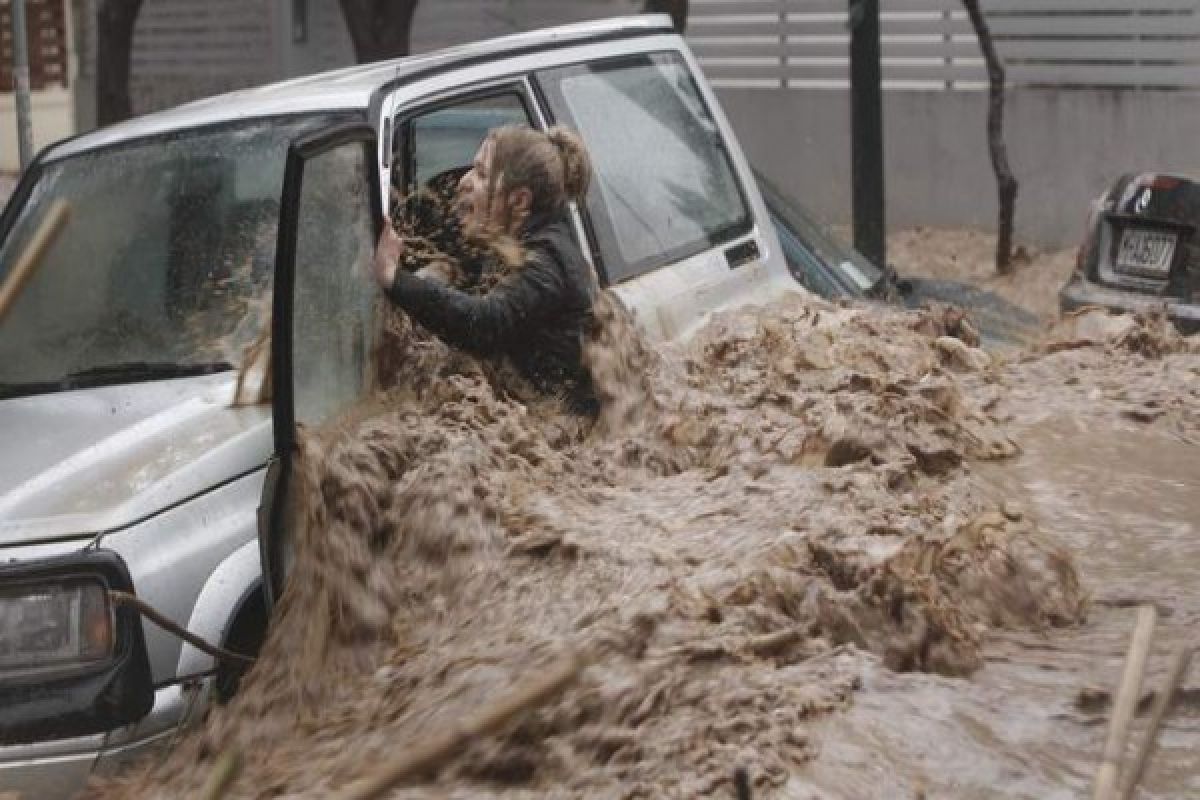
[126,464]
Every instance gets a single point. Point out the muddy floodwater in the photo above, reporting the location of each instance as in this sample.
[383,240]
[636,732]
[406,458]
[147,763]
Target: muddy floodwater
[814,551]
[1127,504]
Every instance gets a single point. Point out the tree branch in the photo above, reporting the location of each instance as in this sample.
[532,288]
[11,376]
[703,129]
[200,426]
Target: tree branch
[379,29]
[678,9]
[1006,183]
[115,20]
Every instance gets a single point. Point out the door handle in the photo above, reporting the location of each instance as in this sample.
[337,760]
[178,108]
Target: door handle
[741,254]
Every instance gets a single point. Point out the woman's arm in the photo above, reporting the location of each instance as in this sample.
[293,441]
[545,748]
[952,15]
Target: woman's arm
[486,323]
[481,323]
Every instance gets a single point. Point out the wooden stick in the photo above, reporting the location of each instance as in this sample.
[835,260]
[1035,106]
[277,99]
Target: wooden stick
[29,259]
[151,613]
[1125,703]
[228,765]
[423,757]
[1162,704]
[771,643]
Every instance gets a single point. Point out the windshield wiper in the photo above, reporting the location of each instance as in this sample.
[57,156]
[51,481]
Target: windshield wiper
[134,371]
[129,372]
[8,390]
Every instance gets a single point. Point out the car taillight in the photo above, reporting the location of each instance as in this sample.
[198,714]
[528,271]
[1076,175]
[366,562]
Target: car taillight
[1090,232]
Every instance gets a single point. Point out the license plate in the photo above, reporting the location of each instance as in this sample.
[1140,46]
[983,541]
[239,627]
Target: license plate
[1144,252]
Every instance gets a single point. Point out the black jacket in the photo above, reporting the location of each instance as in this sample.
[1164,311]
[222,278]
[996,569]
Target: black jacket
[537,316]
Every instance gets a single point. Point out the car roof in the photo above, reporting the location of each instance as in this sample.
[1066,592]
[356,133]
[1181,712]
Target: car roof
[352,88]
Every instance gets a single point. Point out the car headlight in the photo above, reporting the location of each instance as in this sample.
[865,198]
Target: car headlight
[54,626]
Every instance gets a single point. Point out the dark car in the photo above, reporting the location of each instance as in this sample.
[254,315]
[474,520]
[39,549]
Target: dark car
[833,270]
[1140,251]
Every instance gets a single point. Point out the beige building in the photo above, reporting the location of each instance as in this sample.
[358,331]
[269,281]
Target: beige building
[53,67]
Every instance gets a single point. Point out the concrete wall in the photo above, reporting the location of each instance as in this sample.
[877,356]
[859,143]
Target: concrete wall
[1065,146]
[184,49]
[326,46]
[436,24]
[442,23]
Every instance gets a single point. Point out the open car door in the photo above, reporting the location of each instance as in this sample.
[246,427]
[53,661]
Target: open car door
[325,313]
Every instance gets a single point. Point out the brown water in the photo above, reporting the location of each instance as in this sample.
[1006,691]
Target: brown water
[834,550]
[1124,497]
[966,255]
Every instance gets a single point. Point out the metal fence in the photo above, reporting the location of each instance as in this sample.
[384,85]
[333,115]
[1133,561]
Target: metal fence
[929,44]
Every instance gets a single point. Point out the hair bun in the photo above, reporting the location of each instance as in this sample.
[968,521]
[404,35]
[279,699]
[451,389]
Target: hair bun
[577,166]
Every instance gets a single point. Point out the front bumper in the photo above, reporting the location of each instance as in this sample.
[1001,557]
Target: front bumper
[1080,293]
[59,768]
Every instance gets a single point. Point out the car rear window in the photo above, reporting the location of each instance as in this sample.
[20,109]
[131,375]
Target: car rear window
[664,187]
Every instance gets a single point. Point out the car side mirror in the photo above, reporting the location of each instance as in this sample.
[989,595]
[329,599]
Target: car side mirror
[892,286]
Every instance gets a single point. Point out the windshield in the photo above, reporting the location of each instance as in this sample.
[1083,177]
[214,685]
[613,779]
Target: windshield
[824,265]
[163,267]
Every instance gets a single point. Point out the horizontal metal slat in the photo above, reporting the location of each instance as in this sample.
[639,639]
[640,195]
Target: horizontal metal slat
[895,47]
[894,25]
[1108,26]
[1115,50]
[698,10]
[1082,6]
[1091,75]
[1112,26]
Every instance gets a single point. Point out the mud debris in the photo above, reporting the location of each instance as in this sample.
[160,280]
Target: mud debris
[755,516]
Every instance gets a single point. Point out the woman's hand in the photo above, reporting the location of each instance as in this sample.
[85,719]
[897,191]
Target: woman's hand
[387,256]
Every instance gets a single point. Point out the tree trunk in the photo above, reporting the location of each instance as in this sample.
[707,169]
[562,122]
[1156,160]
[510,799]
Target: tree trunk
[114,47]
[1006,183]
[678,9]
[380,29]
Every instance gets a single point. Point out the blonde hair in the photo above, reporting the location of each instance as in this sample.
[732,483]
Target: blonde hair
[554,166]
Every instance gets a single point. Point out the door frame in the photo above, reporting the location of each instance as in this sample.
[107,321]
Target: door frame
[403,115]
[278,479]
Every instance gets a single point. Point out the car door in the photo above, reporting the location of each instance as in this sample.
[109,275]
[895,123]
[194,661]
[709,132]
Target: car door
[326,313]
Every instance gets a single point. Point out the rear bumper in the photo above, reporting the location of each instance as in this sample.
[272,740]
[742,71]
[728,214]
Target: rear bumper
[1080,293]
[59,768]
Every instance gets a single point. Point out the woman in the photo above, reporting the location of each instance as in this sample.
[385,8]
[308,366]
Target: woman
[539,311]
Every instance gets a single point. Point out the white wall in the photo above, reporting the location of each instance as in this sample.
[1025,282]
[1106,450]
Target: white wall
[1064,146]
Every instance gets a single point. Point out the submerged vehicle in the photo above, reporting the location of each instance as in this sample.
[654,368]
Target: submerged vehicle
[175,245]
[149,449]
[1140,250]
[833,270]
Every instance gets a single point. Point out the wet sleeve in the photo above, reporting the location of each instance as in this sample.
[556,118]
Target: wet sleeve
[486,323]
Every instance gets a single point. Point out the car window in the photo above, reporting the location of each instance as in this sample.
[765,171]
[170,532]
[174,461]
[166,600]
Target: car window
[812,273]
[166,257]
[335,301]
[807,241]
[664,187]
[444,142]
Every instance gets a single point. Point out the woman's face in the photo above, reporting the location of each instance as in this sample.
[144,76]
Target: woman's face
[473,204]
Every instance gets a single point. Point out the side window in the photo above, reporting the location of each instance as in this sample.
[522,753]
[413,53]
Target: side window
[664,186]
[335,299]
[440,144]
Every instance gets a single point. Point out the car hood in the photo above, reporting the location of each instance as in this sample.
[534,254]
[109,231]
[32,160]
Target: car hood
[84,462]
